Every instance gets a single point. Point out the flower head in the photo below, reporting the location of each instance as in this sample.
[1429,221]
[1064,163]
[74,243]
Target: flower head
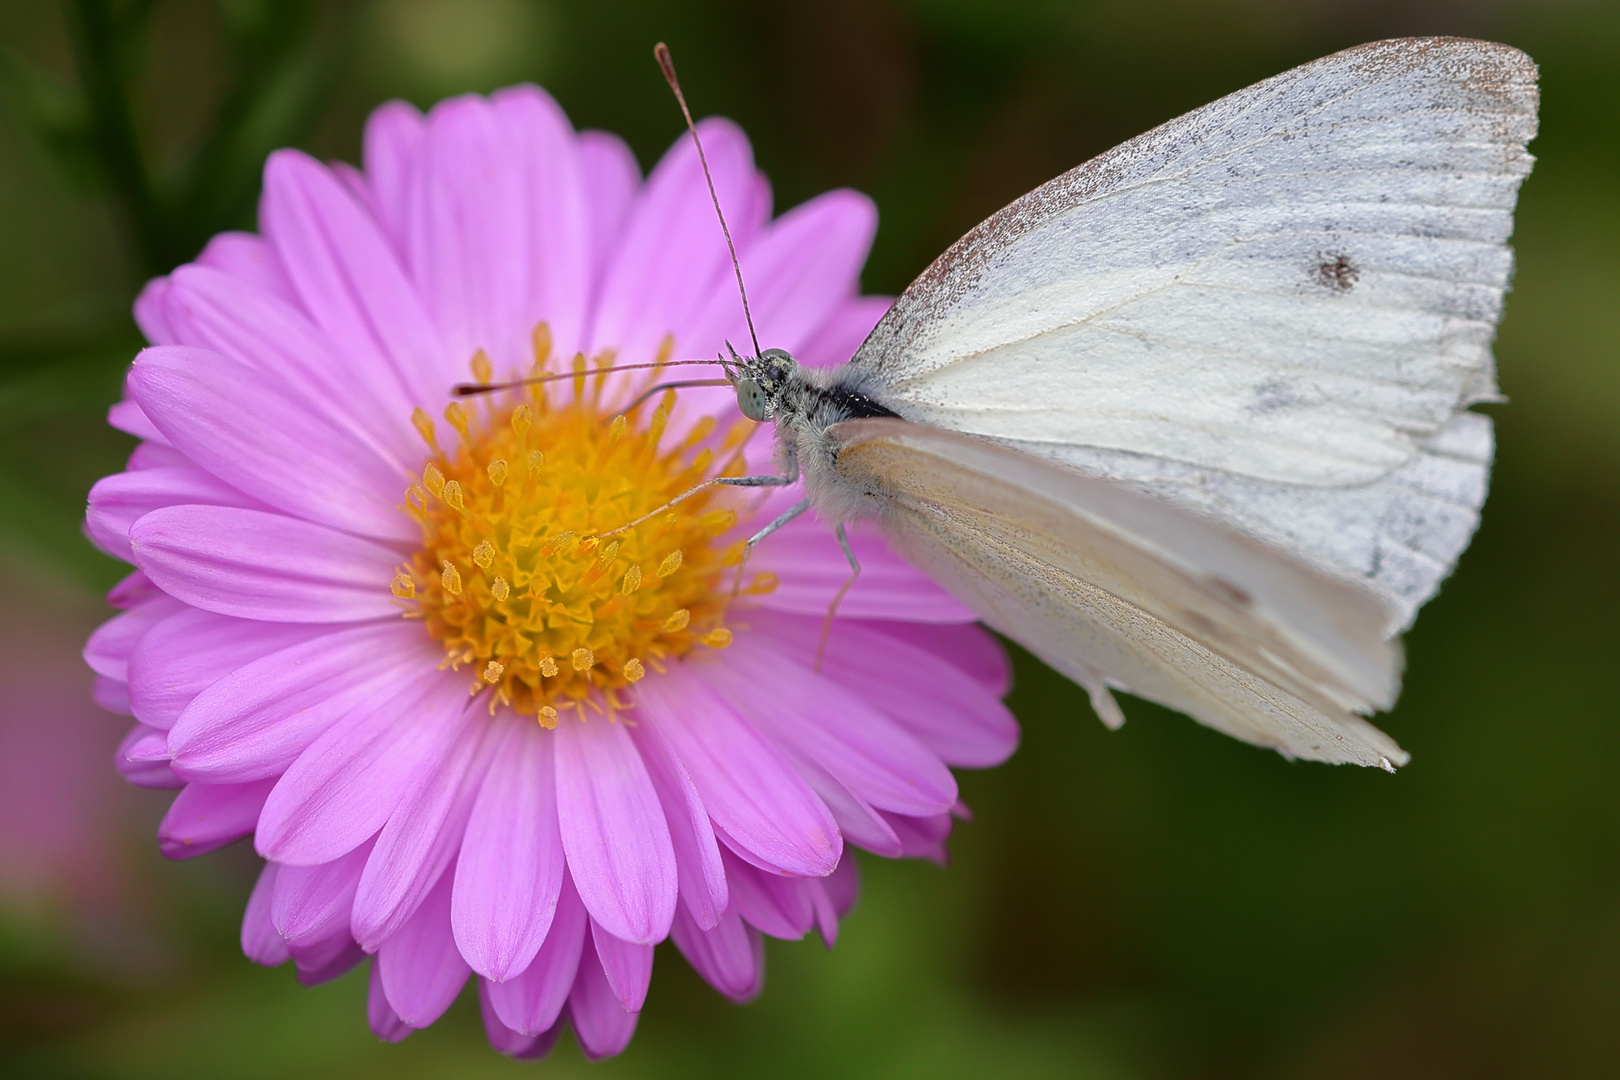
[473,725]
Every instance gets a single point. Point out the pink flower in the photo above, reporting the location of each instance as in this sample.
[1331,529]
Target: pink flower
[468,737]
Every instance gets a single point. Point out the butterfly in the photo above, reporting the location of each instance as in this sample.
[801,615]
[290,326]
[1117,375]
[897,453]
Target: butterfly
[1191,420]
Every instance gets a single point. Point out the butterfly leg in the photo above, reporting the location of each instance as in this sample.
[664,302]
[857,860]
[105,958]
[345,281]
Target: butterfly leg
[832,608]
[790,475]
[782,519]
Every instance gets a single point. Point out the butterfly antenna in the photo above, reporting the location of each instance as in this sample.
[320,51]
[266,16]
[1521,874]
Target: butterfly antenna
[666,64]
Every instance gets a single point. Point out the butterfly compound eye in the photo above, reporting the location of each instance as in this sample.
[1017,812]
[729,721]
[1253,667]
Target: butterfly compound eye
[753,401]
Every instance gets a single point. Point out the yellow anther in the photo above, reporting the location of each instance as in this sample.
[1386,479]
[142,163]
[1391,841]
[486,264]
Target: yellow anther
[548,666]
[548,717]
[616,429]
[432,478]
[540,340]
[734,554]
[666,349]
[452,495]
[482,369]
[497,472]
[522,420]
[764,582]
[424,427]
[499,589]
[493,672]
[718,521]
[677,622]
[633,670]
[457,416]
[671,563]
[583,659]
[484,555]
[610,552]
[450,578]
[718,638]
[632,580]
[402,586]
[537,461]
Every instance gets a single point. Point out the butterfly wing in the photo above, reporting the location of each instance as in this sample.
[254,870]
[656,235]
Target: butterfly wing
[1118,588]
[1276,307]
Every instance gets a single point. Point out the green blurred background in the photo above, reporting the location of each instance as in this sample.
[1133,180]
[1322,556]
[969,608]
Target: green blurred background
[1160,902]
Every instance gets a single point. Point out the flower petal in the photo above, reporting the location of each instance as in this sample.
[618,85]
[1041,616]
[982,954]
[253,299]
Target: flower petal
[348,278]
[601,1024]
[260,942]
[421,970]
[509,1042]
[204,817]
[139,759]
[950,711]
[258,565]
[753,794]
[611,176]
[249,260]
[968,647]
[614,831]
[344,787]
[628,967]
[250,429]
[776,905]
[531,1002]
[866,751]
[255,721]
[189,651]
[393,149]
[119,500]
[312,903]
[110,645]
[730,957]
[510,871]
[697,853]
[836,339]
[810,566]
[424,831]
[385,1022]
[326,960]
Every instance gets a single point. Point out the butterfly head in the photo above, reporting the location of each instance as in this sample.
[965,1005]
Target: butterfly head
[760,381]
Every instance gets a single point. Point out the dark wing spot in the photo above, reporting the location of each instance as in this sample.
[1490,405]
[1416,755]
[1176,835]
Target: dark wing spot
[1337,271]
[1229,592]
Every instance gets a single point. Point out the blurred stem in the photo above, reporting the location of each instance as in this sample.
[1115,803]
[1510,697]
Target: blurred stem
[101,40]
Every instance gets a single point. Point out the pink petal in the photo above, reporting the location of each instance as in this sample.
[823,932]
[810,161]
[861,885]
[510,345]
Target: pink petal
[697,854]
[672,255]
[326,960]
[248,259]
[968,647]
[344,787]
[614,831]
[843,887]
[923,837]
[393,147]
[754,796]
[628,967]
[730,957]
[778,906]
[112,695]
[260,942]
[800,270]
[870,754]
[424,831]
[248,428]
[312,903]
[271,334]
[204,817]
[601,1024]
[385,1022]
[810,564]
[836,339]
[258,565]
[135,588]
[253,722]
[348,278]
[530,1002]
[191,650]
[509,1042]
[421,970]
[119,500]
[611,176]
[149,312]
[127,417]
[510,871]
[950,711]
[138,760]
[154,455]
[110,645]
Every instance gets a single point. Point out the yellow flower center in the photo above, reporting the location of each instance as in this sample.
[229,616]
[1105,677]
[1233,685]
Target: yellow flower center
[515,575]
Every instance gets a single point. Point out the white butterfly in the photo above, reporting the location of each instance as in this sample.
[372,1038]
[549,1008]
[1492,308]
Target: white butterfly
[1191,419]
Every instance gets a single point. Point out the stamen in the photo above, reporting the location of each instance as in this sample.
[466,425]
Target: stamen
[677,621]
[548,715]
[424,427]
[484,555]
[497,472]
[402,586]
[540,340]
[452,495]
[482,369]
[633,670]
[717,638]
[450,578]
[433,479]
[671,563]
[457,416]
[583,659]
[493,672]
[499,589]
[548,666]
[632,580]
